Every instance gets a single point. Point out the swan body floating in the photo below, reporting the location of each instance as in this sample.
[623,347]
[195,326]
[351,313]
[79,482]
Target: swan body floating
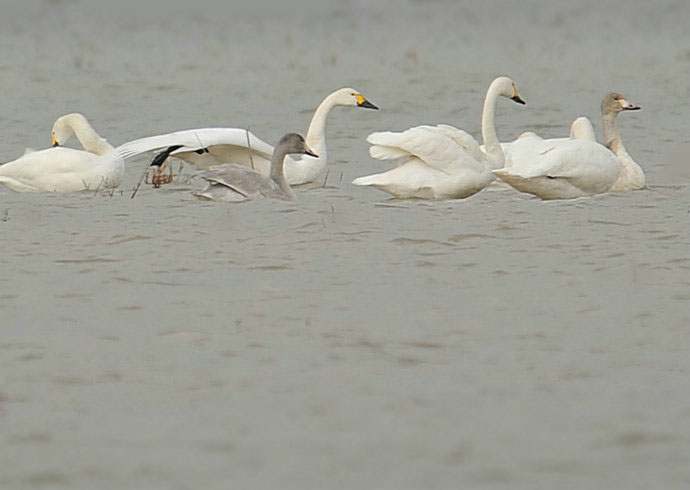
[567,168]
[440,162]
[233,182]
[211,146]
[60,169]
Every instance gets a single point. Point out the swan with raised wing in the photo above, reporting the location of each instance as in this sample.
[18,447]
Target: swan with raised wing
[61,169]
[567,168]
[233,182]
[211,146]
[441,162]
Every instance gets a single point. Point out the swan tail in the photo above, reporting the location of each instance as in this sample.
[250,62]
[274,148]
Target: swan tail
[525,183]
[16,185]
[511,178]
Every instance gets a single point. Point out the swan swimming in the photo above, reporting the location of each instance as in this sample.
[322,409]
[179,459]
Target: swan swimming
[211,146]
[233,182]
[567,168]
[441,162]
[60,169]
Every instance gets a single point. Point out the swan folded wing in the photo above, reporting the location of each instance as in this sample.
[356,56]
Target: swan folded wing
[241,179]
[443,148]
[198,139]
[569,159]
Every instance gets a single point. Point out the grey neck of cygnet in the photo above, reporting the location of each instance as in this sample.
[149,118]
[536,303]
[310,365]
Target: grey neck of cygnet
[612,137]
[277,173]
[631,176]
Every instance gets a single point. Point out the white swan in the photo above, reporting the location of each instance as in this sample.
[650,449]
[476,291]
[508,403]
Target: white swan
[440,162]
[566,168]
[211,146]
[232,182]
[60,169]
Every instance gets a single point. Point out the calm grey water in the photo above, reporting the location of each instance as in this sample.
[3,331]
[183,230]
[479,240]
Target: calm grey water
[346,340]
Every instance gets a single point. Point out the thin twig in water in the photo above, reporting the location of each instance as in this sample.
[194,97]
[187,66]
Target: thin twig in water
[326,178]
[141,179]
[341,177]
[98,187]
[249,148]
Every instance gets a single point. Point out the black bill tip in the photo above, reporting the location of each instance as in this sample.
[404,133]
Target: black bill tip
[517,99]
[367,105]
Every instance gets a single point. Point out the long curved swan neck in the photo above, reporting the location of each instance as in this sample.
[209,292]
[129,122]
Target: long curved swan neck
[87,136]
[277,173]
[489,137]
[612,137]
[316,134]
[631,176]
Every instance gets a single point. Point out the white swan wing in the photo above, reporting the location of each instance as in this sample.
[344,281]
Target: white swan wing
[587,166]
[442,148]
[216,140]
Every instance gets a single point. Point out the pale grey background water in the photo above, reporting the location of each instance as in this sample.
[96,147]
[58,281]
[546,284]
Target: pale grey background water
[345,340]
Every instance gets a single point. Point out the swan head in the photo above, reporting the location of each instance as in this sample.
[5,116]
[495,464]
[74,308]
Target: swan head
[64,127]
[614,103]
[507,88]
[351,98]
[294,143]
